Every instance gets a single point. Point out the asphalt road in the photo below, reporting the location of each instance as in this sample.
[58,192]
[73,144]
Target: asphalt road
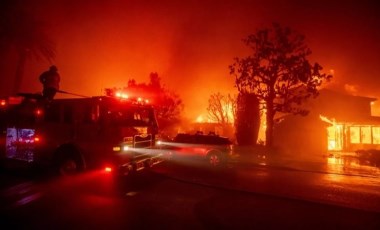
[184,195]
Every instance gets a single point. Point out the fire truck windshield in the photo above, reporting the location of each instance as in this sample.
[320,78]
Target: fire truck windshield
[135,116]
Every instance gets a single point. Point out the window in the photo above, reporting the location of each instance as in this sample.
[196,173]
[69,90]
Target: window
[143,116]
[375,135]
[335,137]
[365,135]
[131,117]
[355,135]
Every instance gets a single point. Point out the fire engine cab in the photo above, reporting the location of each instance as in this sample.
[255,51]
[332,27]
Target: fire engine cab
[75,134]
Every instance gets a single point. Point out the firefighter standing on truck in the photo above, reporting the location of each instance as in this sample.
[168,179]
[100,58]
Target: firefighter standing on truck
[50,80]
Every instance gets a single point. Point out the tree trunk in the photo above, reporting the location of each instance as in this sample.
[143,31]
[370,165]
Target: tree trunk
[19,72]
[247,122]
[270,124]
[269,118]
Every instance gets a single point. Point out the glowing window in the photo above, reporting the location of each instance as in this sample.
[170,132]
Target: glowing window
[335,137]
[331,138]
[376,135]
[365,134]
[355,135]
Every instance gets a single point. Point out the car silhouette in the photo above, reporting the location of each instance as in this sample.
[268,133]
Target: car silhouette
[210,148]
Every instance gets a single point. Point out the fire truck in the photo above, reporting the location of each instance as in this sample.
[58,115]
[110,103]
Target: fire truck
[74,134]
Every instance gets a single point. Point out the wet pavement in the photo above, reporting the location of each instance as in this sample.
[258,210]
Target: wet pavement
[253,191]
[336,163]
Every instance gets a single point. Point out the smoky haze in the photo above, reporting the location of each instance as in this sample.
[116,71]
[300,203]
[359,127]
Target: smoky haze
[190,44]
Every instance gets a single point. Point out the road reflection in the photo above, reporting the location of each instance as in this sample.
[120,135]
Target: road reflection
[351,165]
[349,174]
[337,179]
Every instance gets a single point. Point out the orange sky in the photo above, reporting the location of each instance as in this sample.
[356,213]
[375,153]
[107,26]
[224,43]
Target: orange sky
[191,43]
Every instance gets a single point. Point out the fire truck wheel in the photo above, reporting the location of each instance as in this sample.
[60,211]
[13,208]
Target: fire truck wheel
[68,162]
[68,167]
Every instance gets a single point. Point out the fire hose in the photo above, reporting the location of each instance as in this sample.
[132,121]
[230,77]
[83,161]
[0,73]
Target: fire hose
[74,94]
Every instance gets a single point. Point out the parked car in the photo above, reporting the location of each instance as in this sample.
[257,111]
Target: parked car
[372,156]
[210,148]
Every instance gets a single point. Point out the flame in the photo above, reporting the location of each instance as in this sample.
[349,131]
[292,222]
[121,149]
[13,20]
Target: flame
[334,134]
[263,126]
[200,119]
[325,119]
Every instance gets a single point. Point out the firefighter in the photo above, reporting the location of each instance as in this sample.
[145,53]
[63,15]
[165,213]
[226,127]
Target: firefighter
[50,81]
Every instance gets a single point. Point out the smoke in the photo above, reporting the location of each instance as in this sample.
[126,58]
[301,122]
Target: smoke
[190,44]
[351,89]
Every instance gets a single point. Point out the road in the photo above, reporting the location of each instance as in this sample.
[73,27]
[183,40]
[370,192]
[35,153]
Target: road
[262,195]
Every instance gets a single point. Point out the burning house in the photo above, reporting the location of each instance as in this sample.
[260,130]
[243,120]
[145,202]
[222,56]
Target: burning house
[336,122]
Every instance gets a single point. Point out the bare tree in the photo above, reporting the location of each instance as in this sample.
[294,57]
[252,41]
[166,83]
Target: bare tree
[278,73]
[221,108]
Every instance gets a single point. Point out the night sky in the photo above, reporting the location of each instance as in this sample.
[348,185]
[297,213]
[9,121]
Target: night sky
[190,44]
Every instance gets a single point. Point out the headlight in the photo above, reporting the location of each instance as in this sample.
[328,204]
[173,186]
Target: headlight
[123,148]
[116,148]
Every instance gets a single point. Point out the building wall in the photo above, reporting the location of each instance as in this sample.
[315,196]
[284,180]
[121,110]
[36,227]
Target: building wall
[341,106]
[301,135]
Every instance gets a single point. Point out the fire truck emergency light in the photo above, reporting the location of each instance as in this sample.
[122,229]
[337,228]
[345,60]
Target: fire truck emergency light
[122,95]
[38,112]
[108,169]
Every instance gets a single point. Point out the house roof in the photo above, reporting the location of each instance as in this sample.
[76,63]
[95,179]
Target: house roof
[333,93]
[372,120]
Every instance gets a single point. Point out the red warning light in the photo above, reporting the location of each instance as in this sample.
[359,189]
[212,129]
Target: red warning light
[37,139]
[108,169]
[3,102]
[38,112]
[121,95]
